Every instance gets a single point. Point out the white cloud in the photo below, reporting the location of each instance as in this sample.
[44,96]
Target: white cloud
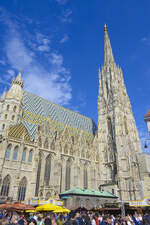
[43,48]
[53,84]
[43,43]
[66,16]
[11,73]
[56,59]
[64,39]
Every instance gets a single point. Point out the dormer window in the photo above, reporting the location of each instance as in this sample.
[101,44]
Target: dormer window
[14,109]
[13,117]
[8,106]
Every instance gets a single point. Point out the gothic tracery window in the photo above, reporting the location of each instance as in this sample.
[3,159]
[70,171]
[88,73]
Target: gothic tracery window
[47,170]
[68,174]
[85,177]
[72,139]
[30,155]
[22,189]
[5,186]
[55,135]
[24,155]
[110,128]
[8,150]
[15,153]
[38,175]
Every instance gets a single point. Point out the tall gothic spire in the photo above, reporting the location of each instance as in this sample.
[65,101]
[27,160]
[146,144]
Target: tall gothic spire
[108,55]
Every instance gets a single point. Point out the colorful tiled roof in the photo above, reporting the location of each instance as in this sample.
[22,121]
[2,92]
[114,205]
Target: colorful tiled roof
[18,131]
[37,110]
[87,192]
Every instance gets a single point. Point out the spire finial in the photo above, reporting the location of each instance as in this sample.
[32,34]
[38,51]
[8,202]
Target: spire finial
[108,55]
[105,27]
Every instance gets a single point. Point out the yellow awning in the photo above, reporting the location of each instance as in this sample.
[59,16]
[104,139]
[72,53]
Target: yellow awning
[46,207]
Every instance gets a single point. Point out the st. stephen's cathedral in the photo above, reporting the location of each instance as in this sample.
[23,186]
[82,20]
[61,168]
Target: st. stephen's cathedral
[46,149]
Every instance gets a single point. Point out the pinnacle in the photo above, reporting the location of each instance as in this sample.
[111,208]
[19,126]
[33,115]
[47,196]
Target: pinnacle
[108,55]
[18,78]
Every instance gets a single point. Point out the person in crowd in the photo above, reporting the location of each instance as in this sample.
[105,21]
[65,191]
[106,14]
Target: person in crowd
[32,222]
[93,221]
[21,220]
[72,219]
[53,219]
[79,219]
[47,220]
[86,219]
[40,220]
[106,220]
[135,219]
[100,218]
[146,219]
[60,220]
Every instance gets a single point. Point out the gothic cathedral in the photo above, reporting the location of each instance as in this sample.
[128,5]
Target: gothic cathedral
[46,149]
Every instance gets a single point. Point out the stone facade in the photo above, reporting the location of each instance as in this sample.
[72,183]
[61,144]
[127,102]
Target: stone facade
[43,155]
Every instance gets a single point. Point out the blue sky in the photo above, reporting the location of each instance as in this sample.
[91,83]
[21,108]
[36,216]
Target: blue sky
[58,45]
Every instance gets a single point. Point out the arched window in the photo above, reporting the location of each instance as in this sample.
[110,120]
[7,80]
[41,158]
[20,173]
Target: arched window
[30,155]
[5,186]
[48,195]
[68,174]
[72,139]
[24,155]
[22,189]
[8,107]
[14,109]
[15,153]
[6,116]
[85,178]
[38,175]
[7,153]
[46,143]
[107,89]
[55,135]
[3,127]
[47,170]
[125,125]
[110,129]
[13,117]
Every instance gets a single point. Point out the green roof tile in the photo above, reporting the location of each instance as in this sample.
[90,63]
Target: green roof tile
[79,191]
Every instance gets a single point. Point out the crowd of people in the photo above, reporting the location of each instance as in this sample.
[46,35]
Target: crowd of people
[73,218]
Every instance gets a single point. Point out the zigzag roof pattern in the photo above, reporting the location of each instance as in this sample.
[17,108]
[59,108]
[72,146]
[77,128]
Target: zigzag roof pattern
[37,110]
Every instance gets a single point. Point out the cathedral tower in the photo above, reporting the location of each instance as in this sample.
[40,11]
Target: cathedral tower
[119,144]
[11,104]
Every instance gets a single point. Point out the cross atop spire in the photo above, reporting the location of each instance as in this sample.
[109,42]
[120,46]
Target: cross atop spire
[108,55]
